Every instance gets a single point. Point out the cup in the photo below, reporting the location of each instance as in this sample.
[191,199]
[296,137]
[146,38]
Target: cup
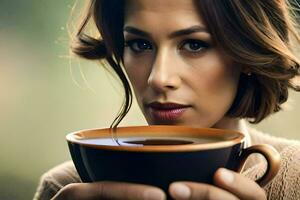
[160,155]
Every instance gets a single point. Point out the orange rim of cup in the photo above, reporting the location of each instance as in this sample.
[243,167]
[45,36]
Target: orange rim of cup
[76,137]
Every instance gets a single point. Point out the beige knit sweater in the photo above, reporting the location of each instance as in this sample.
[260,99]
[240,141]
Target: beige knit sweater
[285,186]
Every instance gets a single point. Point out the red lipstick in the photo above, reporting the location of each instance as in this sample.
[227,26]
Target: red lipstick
[166,111]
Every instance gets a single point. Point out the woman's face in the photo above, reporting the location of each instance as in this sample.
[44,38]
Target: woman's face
[179,76]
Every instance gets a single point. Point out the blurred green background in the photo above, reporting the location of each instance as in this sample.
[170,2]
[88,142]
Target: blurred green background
[45,94]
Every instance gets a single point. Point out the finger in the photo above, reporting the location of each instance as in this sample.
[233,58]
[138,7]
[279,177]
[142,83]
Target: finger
[110,190]
[193,191]
[239,185]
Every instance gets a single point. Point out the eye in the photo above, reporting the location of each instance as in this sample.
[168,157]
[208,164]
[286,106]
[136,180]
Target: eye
[194,46]
[138,45]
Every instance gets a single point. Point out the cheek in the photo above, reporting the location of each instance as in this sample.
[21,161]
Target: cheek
[214,77]
[137,71]
[221,79]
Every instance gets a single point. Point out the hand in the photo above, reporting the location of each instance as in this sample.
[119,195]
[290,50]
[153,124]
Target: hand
[229,186]
[109,190]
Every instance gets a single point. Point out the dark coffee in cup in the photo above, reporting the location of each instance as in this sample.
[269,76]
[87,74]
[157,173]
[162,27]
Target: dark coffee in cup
[150,141]
[158,141]
[160,155]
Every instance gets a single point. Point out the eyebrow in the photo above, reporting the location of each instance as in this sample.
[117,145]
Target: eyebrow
[182,32]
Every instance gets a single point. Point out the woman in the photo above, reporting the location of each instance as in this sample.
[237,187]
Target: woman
[205,63]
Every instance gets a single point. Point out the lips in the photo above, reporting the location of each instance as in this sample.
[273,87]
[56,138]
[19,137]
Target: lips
[166,111]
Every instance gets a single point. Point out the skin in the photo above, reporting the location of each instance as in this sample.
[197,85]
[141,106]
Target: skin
[169,70]
[187,69]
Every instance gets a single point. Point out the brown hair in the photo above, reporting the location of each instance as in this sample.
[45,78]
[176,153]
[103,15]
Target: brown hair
[257,35]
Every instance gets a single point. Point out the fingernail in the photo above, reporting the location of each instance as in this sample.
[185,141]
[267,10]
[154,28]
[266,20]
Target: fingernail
[154,194]
[180,191]
[226,176]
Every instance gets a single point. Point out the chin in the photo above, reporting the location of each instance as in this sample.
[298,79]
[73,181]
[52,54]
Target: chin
[157,122]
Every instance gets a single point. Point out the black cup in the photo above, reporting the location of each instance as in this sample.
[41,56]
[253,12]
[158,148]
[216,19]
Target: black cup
[144,154]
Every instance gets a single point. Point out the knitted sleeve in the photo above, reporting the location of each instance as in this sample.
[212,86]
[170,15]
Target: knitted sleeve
[55,179]
[286,184]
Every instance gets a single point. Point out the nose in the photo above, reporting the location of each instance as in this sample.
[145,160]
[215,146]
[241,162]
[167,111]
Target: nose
[164,74]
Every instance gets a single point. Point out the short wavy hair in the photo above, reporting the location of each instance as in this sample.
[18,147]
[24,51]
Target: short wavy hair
[260,36]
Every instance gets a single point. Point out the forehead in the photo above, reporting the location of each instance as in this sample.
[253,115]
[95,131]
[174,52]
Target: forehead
[160,11]
[160,5]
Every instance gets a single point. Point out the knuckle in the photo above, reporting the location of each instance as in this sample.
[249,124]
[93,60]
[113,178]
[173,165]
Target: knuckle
[101,189]
[208,193]
[67,192]
[70,187]
[261,195]
[235,198]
